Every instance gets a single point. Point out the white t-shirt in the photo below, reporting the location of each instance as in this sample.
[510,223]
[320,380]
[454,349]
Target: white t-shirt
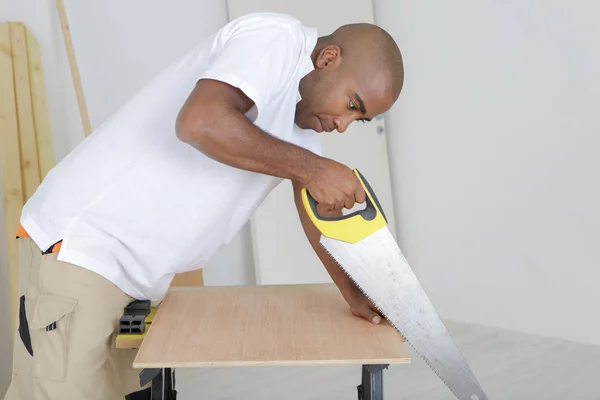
[135,204]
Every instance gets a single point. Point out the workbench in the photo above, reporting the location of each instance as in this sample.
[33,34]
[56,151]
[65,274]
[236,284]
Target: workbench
[274,325]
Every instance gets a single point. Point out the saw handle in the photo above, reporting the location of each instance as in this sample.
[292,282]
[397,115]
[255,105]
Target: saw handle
[352,227]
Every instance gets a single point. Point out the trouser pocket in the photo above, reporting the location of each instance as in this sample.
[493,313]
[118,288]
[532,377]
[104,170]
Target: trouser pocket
[24,326]
[49,330]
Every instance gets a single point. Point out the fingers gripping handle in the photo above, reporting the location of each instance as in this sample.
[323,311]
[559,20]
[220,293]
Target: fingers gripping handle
[352,227]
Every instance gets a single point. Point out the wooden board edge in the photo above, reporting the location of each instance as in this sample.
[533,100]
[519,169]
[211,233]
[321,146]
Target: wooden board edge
[288,363]
[41,117]
[66,32]
[129,341]
[27,140]
[12,192]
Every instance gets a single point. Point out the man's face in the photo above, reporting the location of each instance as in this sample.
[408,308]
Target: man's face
[333,98]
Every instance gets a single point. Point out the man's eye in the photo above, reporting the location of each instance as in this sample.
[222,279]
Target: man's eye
[352,105]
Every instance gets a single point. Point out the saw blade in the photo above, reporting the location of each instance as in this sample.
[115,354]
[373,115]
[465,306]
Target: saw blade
[380,270]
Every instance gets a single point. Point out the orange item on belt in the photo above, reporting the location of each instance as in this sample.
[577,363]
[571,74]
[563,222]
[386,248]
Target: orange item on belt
[21,232]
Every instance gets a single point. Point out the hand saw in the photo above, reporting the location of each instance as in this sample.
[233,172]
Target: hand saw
[362,245]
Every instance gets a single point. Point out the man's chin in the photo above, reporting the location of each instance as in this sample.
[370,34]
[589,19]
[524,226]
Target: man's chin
[303,125]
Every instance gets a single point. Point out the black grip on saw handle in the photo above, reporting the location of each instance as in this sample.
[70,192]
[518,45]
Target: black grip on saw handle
[352,227]
[368,213]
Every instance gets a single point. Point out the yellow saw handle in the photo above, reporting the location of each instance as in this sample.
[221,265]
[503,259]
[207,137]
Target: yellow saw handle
[349,228]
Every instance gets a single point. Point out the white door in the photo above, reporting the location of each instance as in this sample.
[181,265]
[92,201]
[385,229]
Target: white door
[282,254]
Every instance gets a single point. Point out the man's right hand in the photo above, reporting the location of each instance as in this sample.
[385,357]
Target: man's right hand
[335,186]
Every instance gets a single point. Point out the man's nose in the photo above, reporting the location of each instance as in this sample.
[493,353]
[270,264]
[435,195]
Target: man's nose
[341,124]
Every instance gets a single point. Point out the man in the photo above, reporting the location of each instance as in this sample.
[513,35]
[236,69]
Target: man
[173,175]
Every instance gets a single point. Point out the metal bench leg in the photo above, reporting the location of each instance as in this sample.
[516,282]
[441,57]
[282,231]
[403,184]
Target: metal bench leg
[372,382]
[163,383]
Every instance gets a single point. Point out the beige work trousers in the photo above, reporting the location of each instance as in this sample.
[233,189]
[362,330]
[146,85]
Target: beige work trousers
[70,317]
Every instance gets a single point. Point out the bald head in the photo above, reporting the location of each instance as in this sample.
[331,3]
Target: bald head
[369,48]
[358,75]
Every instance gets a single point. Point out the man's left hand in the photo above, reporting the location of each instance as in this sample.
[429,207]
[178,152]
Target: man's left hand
[360,305]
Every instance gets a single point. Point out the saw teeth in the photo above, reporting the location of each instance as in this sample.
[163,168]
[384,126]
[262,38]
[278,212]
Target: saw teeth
[390,322]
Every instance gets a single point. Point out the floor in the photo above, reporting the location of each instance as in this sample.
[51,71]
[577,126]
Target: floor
[508,365]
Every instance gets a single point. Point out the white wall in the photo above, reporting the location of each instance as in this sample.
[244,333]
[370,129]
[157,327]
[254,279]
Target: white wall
[119,46]
[495,159]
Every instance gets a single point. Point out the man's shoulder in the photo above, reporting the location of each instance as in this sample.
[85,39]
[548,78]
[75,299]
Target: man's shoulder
[267,18]
[280,35]
[271,22]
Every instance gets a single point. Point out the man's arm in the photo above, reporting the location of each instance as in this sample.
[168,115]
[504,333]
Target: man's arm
[360,305]
[212,120]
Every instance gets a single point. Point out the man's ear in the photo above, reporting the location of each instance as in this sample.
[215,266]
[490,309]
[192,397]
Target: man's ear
[329,57]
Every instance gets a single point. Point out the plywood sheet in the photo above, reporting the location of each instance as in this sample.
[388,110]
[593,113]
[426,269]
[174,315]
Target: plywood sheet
[264,325]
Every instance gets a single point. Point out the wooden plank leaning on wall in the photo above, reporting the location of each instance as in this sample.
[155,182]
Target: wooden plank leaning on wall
[26,152]
[10,161]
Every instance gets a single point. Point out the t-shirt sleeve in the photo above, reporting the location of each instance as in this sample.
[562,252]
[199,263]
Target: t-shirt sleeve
[259,58]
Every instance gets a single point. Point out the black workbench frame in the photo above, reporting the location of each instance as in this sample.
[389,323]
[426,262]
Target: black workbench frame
[163,382]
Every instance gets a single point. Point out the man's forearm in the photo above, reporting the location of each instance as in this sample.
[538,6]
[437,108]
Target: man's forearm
[213,120]
[359,304]
[337,274]
[230,138]
[339,277]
